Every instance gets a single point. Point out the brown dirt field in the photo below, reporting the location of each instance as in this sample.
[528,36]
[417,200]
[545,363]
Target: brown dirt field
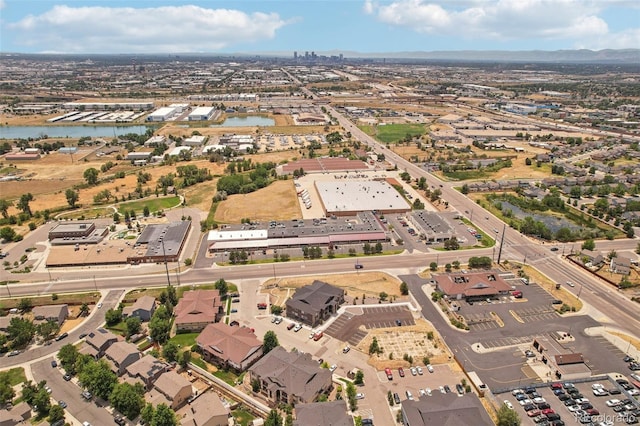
[69,324]
[414,336]
[355,284]
[407,151]
[277,201]
[200,196]
[277,157]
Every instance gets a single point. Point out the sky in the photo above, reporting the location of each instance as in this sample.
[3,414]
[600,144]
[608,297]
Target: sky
[285,26]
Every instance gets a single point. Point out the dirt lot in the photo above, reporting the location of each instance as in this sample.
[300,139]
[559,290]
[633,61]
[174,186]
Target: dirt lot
[277,201]
[369,283]
[411,340]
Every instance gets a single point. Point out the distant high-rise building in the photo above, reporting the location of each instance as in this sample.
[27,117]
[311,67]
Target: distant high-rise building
[341,57]
[295,55]
[306,55]
[313,54]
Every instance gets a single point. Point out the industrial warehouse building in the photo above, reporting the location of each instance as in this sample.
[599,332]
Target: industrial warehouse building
[201,114]
[162,114]
[347,198]
[160,243]
[71,233]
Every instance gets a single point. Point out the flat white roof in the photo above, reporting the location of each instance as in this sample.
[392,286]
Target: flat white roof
[195,139]
[177,150]
[202,111]
[347,196]
[253,234]
[162,112]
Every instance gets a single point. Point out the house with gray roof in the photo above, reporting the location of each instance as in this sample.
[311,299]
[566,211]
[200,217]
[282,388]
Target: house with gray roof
[620,265]
[143,308]
[332,413]
[97,342]
[57,313]
[18,414]
[445,409]
[171,389]
[314,303]
[120,355]
[290,377]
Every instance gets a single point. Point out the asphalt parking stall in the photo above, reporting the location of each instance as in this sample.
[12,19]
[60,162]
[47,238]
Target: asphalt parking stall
[508,341]
[347,326]
[479,321]
[536,313]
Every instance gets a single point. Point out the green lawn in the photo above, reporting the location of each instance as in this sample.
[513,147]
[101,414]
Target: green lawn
[391,133]
[154,204]
[229,377]
[184,340]
[16,375]
[88,213]
[242,416]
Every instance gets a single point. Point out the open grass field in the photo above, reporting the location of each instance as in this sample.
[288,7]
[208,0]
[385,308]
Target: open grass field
[354,284]
[70,299]
[16,375]
[391,133]
[277,201]
[154,204]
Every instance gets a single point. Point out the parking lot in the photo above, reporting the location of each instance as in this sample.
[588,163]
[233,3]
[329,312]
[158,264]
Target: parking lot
[594,408]
[346,326]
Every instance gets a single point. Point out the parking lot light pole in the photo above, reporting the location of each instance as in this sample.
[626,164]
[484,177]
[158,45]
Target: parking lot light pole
[580,290]
[166,267]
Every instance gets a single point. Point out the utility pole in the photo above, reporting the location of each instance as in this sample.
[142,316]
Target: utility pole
[166,267]
[95,284]
[504,228]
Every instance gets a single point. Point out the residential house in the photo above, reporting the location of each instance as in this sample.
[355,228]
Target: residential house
[227,346]
[143,308]
[206,410]
[147,369]
[171,389]
[196,309]
[620,265]
[593,257]
[290,377]
[97,342]
[120,355]
[4,323]
[332,413]
[57,313]
[314,303]
[445,409]
[18,414]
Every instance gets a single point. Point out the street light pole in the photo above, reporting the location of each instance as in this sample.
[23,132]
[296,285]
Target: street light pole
[504,228]
[580,290]
[95,284]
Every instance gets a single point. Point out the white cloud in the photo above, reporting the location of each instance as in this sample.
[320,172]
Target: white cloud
[368,7]
[2,4]
[161,29]
[504,20]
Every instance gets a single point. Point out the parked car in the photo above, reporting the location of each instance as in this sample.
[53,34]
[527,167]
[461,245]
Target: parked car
[414,371]
[62,404]
[396,398]
[87,395]
[359,396]
[389,374]
[401,372]
[290,326]
[297,328]
[346,349]
[419,370]
[430,368]
[67,377]
[62,336]
[333,368]
[54,364]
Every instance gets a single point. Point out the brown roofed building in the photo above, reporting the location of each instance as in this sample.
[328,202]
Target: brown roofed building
[446,410]
[197,309]
[314,303]
[57,313]
[332,413]
[147,369]
[143,308]
[171,389]
[290,377]
[227,346]
[121,355]
[18,414]
[98,341]
[206,410]
[476,285]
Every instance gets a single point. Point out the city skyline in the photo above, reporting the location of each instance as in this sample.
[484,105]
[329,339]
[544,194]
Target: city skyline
[95,26]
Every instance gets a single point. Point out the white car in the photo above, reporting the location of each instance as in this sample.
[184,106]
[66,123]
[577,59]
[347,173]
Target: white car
[526,401]
[597,386]
[633,392]
[312,335]
[297,328]
[442,389]
[414,371]
[539,400]
[570,284]
[516,392]
[508,404]
[346,349]
[419,370]
[430,368]
[422,392]
[613,402]
[359,396]
[99,306]
[333,368]
[427,391]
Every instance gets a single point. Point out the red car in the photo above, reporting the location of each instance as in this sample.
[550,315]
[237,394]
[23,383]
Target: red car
[401,372]
[548,411]
[593,412]
[533,413]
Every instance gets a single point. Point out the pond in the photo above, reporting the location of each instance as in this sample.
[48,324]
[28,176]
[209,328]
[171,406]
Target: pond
[248,121]
[553,223]
[26,132]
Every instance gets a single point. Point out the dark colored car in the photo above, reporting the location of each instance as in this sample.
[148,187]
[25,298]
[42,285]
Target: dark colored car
[401,372]
[82,335]
[119,420]
[460,389]
[67,377]
[54,364]
[396,398]
[62,336]
[447,389]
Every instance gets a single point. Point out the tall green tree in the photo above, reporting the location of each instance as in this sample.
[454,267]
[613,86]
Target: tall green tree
[7,233]
[98,378]
[170,351]
[164,416]
[56,413]
[160,325]
[23,203]
[134,325]
[42,401]
[273,419]
[6,390]
[269,342]
[4,207]
[128,399]
[68,355]
[222,287]
[507,416]
[91,176]
[72,197]
[21,331]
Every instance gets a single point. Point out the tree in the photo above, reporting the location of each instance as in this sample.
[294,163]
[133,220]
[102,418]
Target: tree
[56,413]
[128,399]
[351,396]
[404,288]
[273,419]
[4,207]
[269,342]
[222,287]
[23,203]
[383,296]
[42,401]
[112,317]
[589,244]
[184,358]
[170,351]
[98,378]
[374,347]
[134,325]
[68,355]
[164,416]
[84,310]
[48,329]
[147,413]
[145,211]
[7,233]
[91,176]
[25,304]
[359,379]
[276,309]
[72,197]
[507,416]
[433,266]
[21,332]
[159,326]
[6,390]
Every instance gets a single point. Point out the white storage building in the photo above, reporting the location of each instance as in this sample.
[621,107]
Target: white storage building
[162,114]
[201,114]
